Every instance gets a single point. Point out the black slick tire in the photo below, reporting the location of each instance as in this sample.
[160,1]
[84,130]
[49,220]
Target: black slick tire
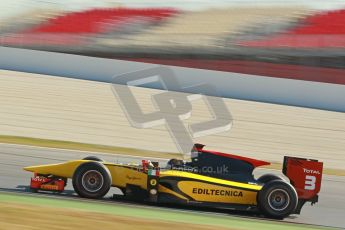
[93,158]
[92,180]
[277,199]
[268,177]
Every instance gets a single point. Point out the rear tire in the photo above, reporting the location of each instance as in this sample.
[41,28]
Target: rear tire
[92,180]
[269,177]
[277,199]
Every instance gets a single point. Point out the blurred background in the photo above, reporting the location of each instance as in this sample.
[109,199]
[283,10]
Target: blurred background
[288,39]
[255,48]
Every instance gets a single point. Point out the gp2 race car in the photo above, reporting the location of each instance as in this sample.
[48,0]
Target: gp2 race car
[211,179]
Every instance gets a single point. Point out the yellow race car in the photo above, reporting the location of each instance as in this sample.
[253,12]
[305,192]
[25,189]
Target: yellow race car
[212,179]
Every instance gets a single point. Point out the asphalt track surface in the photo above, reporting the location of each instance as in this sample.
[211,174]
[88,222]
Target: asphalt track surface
[330,211]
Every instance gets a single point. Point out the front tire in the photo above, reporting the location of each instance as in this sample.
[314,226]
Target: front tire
[277,199]
[93,158]
[92,180]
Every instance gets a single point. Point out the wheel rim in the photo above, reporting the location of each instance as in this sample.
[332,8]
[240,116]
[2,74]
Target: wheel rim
[92,181]
[278,199]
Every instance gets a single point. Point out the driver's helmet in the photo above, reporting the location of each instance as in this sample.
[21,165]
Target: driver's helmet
[172,163]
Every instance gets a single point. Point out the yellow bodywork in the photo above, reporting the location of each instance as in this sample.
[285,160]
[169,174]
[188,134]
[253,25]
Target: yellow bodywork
[62,170]
[209,189]
[205,192]
[120,174]
[190,186]
[175,173]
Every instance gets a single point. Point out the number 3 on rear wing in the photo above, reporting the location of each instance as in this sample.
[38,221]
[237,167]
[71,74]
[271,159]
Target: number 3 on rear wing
[305,176]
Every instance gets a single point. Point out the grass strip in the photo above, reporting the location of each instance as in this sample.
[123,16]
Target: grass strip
[154,213]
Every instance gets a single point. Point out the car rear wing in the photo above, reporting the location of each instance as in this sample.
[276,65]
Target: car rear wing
[305,176]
